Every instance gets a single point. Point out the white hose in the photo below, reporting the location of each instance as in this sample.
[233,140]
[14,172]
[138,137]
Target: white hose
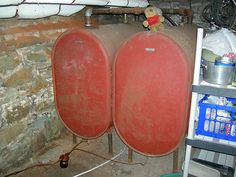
[94,168]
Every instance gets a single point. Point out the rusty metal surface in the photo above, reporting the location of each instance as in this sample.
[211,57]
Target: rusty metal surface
[133,10]
[140,10]
[153,74]
[112,36]
[81,62]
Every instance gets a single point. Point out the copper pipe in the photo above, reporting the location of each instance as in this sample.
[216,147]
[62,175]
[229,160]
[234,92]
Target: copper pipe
[134,10]
[140,10]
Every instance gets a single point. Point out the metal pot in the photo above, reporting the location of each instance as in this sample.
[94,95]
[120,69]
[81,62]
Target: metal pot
[218,72]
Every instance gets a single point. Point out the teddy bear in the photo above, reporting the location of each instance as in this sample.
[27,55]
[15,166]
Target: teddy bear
[154,20]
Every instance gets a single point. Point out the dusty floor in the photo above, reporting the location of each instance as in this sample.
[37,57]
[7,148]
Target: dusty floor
[80,162]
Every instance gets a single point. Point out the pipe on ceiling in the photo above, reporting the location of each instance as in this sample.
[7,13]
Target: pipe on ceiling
[33,9]
[188,13]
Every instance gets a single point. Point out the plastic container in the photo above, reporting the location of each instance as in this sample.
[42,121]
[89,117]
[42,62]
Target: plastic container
[172,175]
[217,121]
[218,72]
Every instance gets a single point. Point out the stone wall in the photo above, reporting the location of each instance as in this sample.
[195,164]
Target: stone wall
[196,5]
[28,118]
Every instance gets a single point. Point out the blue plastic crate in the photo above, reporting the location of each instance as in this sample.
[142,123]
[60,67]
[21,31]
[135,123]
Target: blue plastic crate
[217,121]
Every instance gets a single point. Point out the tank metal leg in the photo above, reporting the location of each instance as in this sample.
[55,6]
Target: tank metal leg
[110,143]
[175,160]
[125,18]
[130,155]
[136,18]
[74,139]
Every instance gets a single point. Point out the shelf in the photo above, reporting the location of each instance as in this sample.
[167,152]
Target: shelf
[216,147]
[201,87]
[216,91]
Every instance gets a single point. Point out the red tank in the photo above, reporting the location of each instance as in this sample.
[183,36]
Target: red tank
[153,76]
[81,62]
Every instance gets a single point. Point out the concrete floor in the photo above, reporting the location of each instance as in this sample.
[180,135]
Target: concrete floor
[80,162]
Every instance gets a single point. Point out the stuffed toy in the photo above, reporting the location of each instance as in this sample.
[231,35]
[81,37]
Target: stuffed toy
[154,19]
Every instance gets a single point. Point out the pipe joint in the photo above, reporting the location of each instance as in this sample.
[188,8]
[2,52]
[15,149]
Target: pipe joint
[88,13]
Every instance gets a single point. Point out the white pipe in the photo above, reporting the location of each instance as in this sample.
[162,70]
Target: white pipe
[32,9]
[78,2]
[128,3]
[81,2]
[49,1]
[8,12]
[92,2]
[67,10]
[139,3]
[121,3]
[88,12]
[92,169]
[10,2]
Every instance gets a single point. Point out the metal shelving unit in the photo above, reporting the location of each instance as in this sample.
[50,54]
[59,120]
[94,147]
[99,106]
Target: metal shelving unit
[222,146]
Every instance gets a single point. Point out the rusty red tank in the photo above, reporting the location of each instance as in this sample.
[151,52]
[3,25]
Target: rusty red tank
[153,76]
[81,62]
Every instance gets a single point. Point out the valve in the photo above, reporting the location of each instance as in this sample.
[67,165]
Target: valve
[64,159]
